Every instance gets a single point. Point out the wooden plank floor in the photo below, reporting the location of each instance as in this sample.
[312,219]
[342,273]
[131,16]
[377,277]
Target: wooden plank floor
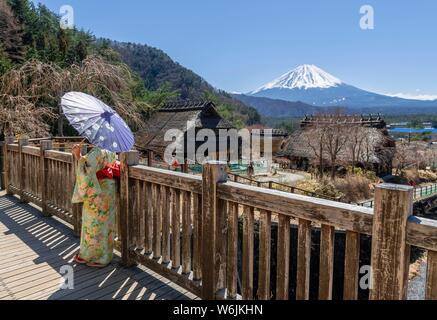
[33,249]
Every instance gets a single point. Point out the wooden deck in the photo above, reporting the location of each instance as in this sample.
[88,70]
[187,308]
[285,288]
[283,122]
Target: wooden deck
[188,229]
[33,249]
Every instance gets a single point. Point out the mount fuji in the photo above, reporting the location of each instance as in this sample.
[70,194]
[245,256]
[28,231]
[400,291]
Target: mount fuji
[315,87]
[303,77]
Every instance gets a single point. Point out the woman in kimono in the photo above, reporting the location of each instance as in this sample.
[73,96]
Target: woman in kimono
[97,192]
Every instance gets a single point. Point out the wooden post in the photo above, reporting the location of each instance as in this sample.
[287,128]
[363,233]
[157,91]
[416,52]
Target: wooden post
[45,145]
[221,240]
[150,158]
[213,173]
[232,259]
[22,169]
[2,163]
[126,159]
[265,237]
[247,253]
[303,260]
[351,266]
[390,252]
[77,207]
[431,276]
[5,177]
[61,122]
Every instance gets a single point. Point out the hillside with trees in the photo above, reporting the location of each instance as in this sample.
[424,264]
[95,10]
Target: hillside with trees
[158,70]
[39,62]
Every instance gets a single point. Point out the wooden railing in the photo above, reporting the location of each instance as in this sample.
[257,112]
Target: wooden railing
[42,176]
[278,186]
[419,193]
[199,232]
[425,191]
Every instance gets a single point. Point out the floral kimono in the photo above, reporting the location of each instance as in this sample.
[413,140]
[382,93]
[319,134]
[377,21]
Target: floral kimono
[98,213]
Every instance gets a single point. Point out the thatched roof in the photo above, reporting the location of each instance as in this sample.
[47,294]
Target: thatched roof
[262,129]
[370,121]
[176,116]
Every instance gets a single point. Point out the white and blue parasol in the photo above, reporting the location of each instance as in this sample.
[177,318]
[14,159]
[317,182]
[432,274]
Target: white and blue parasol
[96,121]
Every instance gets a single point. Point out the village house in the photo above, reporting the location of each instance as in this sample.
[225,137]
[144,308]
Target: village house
[361,141]
[180,115]
[278,136]
[185,116]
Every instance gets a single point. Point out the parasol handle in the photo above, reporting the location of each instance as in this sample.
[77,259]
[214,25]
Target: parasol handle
[82,142]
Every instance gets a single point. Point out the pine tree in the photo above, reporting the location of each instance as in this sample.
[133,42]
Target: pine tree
[21,9]
[81,50]
[63,42]
[10,34]
[5,62]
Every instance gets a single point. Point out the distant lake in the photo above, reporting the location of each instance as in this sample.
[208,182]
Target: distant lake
[412,130]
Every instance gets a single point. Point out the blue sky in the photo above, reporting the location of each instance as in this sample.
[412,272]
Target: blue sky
[239,45]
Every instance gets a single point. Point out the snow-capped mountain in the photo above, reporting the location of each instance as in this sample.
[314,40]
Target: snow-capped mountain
[303,77]
[314,86]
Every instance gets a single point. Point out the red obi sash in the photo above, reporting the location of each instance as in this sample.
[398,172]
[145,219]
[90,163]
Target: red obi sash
[109,172]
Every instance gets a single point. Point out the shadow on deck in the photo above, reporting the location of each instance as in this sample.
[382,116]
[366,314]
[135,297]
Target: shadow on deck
[33,249]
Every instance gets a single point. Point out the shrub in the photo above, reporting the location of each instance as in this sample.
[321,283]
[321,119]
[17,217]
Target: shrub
[411,175]
[428,176]
[355,187]
[324,187]
[371,175]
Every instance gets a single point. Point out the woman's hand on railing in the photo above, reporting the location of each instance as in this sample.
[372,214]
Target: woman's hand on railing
[76,151]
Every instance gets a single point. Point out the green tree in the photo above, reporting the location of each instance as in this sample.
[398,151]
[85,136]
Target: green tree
[63,42]
[160,97]
[5,63]
[11,36]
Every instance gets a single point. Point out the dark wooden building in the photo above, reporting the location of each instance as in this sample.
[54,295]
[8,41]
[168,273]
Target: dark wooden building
[181,116]
[278,137]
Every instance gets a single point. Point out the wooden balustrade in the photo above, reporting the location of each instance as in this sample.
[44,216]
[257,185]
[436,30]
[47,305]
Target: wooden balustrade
[42,176]
[214,237]
[278,186]
[418,194]
[424,191]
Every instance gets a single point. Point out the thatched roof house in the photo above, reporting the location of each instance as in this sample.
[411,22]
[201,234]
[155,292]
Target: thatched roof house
[179,116]
[369,121]
[374,147]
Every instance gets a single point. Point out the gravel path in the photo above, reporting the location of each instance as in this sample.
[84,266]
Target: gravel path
[283,177]
[416,286]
